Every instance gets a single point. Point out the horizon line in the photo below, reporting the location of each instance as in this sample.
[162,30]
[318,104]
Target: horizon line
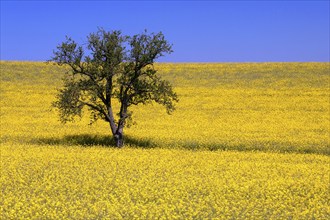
[183,62]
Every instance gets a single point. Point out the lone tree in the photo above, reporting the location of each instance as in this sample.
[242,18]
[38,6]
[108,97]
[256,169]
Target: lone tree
[112,66]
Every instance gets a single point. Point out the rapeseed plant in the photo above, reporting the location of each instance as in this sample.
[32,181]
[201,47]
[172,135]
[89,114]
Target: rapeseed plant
[60,182]
[267,126]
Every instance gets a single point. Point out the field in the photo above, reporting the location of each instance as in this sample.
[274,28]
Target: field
[247,141]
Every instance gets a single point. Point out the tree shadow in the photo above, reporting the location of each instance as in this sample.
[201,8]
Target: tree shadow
[87,140]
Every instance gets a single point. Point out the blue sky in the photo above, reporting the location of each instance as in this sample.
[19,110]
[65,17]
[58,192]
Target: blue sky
[200,31]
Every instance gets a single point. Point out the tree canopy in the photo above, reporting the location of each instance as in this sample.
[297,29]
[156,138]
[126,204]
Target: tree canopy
[112,66]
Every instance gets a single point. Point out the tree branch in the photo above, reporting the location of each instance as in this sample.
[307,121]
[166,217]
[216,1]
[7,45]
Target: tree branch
[97,108]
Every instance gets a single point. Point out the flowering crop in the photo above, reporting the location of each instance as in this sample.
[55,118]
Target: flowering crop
[247,141]
[269,107]
[58,182]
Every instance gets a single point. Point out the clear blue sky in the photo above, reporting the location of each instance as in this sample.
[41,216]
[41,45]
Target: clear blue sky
[200,31]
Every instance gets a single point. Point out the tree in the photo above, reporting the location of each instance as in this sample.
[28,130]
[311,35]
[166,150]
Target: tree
[112,66]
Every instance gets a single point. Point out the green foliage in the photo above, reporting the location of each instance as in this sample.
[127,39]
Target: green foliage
[115,67]
[68,101]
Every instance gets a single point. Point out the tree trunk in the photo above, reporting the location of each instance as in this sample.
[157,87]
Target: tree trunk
[117,130]
[112,122]
[118,133]
[119,139]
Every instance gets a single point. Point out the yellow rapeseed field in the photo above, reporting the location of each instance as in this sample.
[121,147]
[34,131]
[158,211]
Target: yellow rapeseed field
[60,182]
[247,141]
